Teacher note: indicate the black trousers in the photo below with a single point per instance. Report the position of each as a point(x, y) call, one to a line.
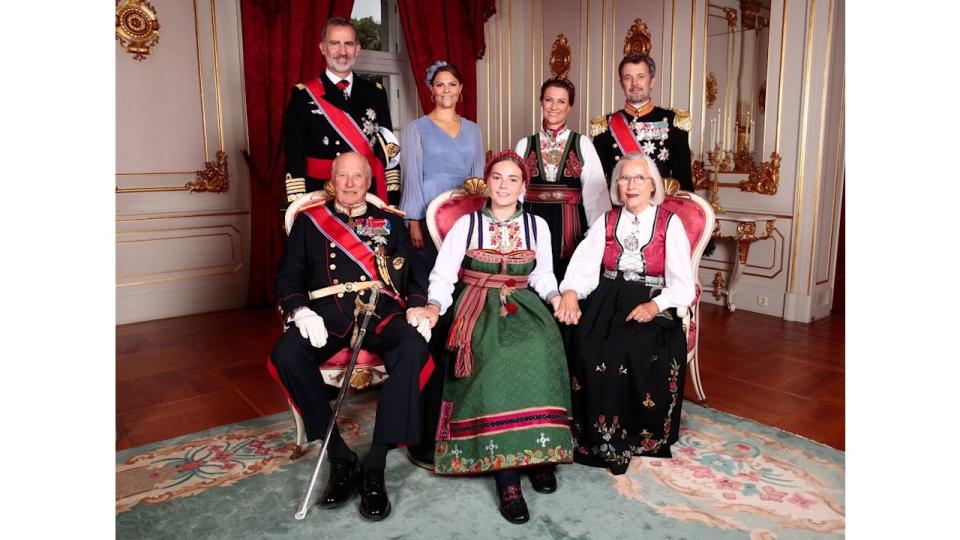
point(404, 353)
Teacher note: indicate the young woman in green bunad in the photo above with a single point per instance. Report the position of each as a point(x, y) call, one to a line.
point(506, 395)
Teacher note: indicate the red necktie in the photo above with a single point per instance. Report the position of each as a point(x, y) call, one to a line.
point(342, 85)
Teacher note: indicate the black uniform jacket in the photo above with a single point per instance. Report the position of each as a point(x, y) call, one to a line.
point(677, 163)
point(308, 133)
point(311, 261)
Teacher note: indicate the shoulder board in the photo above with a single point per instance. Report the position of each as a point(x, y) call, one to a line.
point(300, 86)
point(598, 125)
point(312, 204)
point(380, 86)
point(682, 119)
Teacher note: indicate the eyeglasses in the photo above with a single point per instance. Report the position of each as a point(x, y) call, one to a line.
point(626, 180)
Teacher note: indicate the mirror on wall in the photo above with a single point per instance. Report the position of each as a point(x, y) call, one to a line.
point(737, 37)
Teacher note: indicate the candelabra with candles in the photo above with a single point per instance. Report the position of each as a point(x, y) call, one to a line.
point(722, 161)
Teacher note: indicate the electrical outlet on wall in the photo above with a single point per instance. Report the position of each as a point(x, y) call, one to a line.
point(762, 300)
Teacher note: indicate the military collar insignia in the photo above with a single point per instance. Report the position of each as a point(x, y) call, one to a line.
point(350, 211)
point(642, 110)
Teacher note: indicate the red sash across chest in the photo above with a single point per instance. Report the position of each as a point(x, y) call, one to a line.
point(348, 129)
point(621, 133)
point(654, 253)
point(347, 240)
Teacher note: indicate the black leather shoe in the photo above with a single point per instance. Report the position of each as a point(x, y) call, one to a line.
point(421, 456)
point(374, 503)
point(343, 476)
point(512, 506)
point(543, 480)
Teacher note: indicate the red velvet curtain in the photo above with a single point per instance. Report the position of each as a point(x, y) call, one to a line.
point(450, 30)
point(280, 49)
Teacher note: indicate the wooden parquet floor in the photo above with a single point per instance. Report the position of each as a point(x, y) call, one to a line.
point(185, 374)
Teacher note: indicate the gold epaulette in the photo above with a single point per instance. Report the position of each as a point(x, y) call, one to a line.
point(682, 120)
point(394, 210)
point(315, 203)
point(300, 86)
point(598, 125)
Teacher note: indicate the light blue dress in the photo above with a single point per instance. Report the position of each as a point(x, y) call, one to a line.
point(432, 162)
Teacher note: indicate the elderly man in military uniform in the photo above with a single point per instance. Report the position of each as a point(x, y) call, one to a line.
point(339, 112)
point(337, 251)
point(640, 126)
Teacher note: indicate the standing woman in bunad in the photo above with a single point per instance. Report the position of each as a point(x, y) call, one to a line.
point(506, 395)
point(567, 187)
point(633, 270)
point(440, 150)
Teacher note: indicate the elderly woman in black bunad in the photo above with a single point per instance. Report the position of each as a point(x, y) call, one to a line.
point(631, 272)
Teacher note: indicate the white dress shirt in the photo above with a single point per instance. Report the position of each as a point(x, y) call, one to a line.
point(454, 248)
point(336, 78)
point(583, 273)
point(595, 196)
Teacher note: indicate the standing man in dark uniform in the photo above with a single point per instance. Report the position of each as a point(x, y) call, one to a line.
point(336, 251)
point(339, 112)
point(662, 134)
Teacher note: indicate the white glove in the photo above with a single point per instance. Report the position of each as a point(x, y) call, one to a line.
point(424, 328)
point(311, 326)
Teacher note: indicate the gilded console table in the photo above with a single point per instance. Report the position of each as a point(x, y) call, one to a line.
point(743, 229)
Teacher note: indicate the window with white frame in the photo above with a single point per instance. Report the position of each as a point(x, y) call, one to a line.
point(383, 57)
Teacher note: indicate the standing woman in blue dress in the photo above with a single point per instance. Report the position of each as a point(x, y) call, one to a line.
point(440, 150)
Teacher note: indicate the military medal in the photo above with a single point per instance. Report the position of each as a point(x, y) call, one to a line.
point(326, 141)
point(377, 228)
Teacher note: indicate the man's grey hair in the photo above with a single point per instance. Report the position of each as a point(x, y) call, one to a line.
point(367, 172)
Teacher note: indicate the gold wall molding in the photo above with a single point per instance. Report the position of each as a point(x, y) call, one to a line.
point(638, 39)
point(701, 176)
point(560, 57)
point(215, 178)
point(762, 98)
point(137, 27)
point(711, 89)
point(731, 15)
point(764, 179)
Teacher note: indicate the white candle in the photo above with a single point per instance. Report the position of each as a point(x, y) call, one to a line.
point(753, 125)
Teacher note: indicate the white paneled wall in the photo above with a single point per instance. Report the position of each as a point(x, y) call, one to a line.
point(180, 252)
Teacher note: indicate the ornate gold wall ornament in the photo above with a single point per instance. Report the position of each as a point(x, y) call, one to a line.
point(749, 11)
point(560, 57)
point(743, 160)
point(638, 39)
point(138, 29)
point(701, 176)
point(762, 22)
point(719, 286)
point(765, 179)
point(711, 89)
point(762, 98)
point(731, 15)
point(215, 178)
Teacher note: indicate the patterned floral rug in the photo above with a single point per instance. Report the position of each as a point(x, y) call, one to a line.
point(729, 478)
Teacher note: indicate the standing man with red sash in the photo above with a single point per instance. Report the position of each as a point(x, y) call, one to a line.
point(339, 112)
point(641, 127)
point(336, 252)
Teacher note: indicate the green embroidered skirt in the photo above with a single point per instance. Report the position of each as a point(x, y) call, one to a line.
point(514, 410)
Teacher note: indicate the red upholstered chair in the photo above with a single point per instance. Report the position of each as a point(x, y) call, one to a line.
point(369, 369)
point(449, 206)
point(698, 219)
